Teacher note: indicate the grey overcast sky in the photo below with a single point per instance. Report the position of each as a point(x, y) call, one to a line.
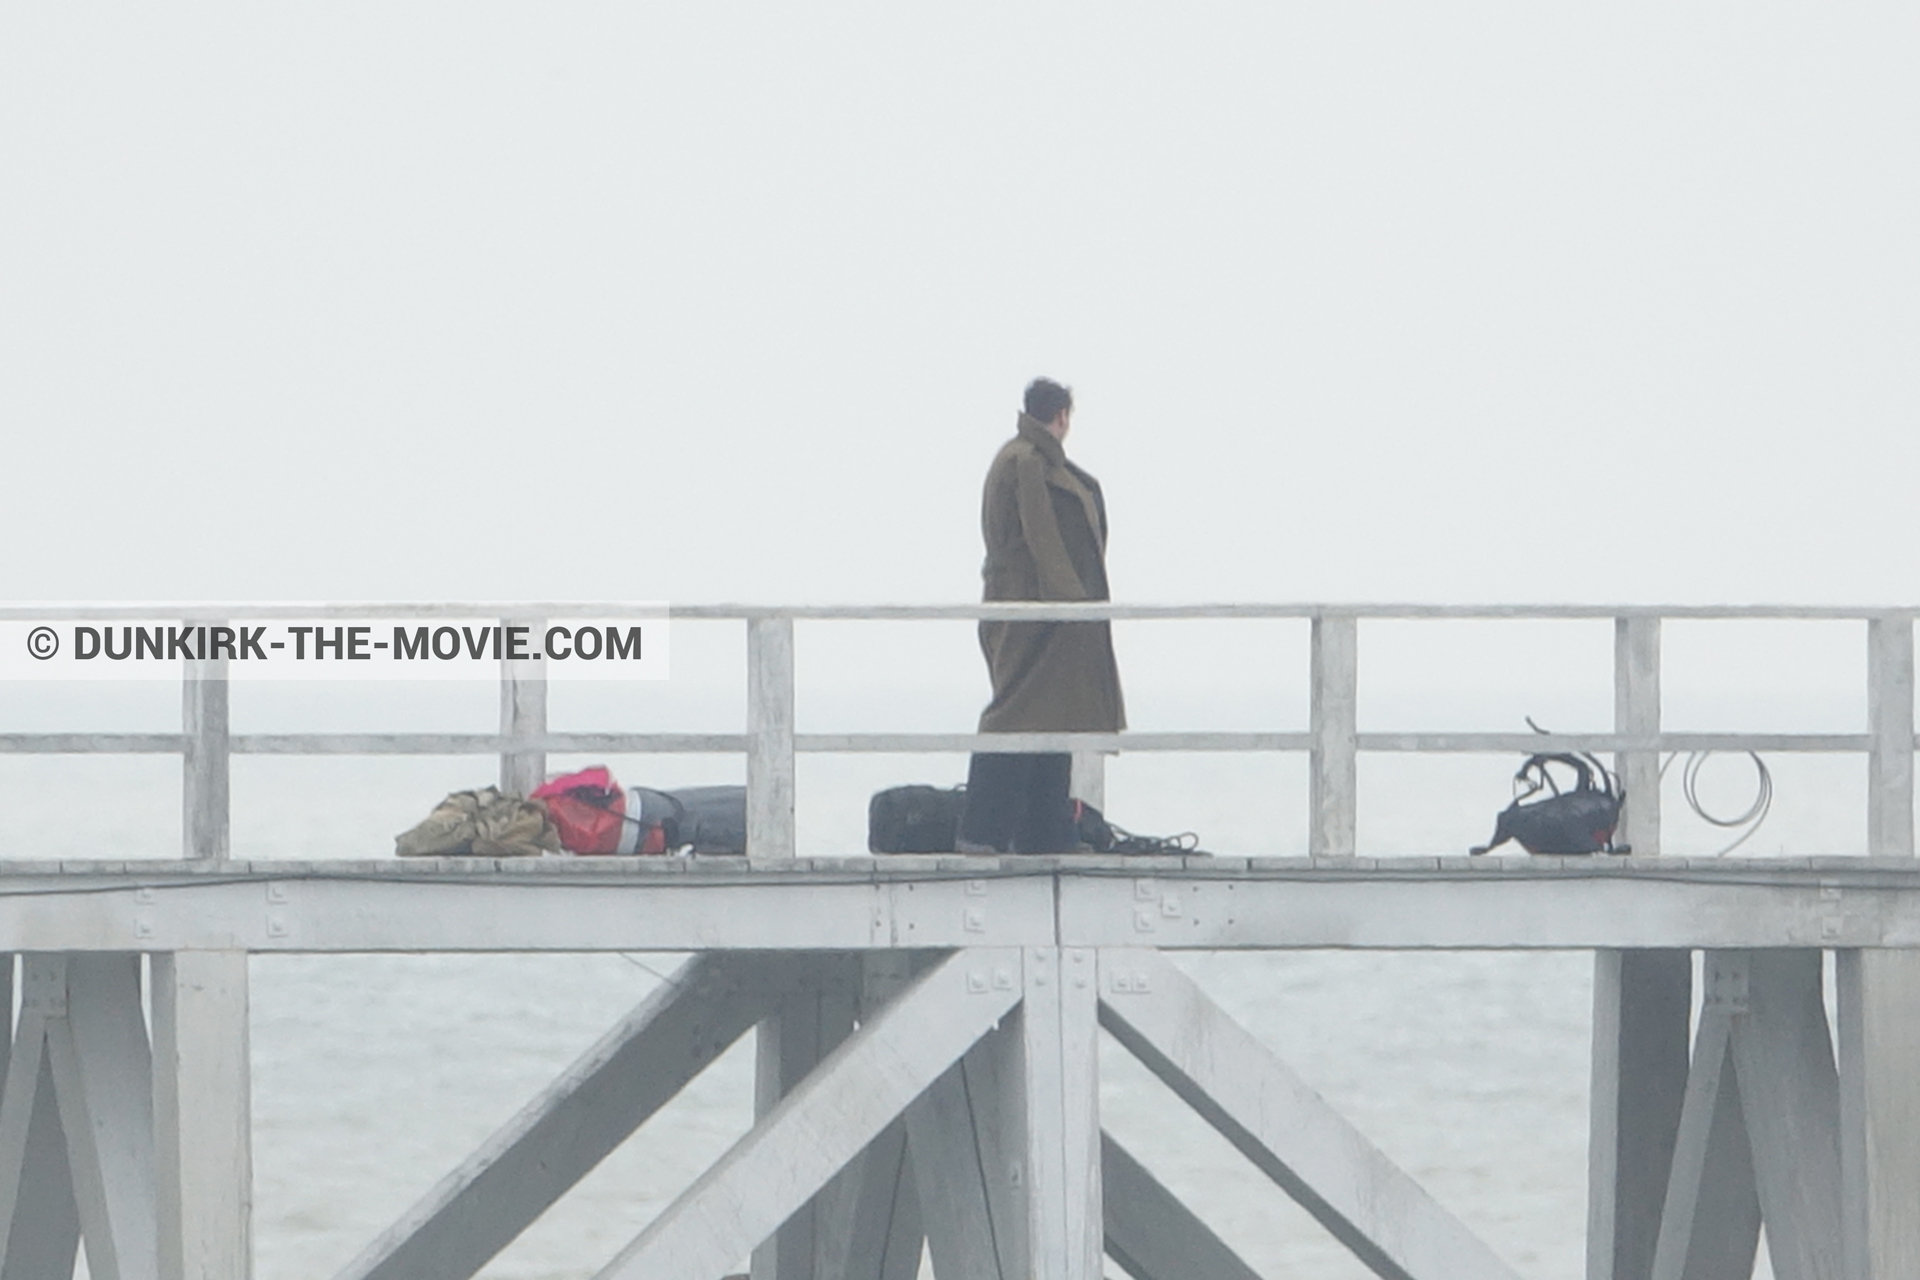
point(718, 301)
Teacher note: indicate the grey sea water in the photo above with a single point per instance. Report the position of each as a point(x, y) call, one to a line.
point(375, 1075)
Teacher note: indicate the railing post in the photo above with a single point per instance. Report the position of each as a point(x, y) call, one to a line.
point(202, 1114)
point(1890, 727)
point(1090, 778)
point(523, 714)
point(1878, 1029)
point(1642, 1005)
point(205, 790)
point(1636, 710)
point(770, 738)
point(1335, 733)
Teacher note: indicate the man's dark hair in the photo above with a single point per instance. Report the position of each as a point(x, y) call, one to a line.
point(1046, 398)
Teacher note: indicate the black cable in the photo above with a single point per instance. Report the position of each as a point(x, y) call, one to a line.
point(1129, 845)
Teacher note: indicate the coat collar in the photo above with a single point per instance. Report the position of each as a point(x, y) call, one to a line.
point(1035, 433)
point(1064, 474)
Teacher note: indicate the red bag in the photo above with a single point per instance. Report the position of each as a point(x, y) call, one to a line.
point(588, 809)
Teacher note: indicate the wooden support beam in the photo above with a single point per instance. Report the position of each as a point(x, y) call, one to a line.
point(203, 1125)
point(1286, 1129)
point(1058, 1127)
point(6, 1016)
point(962, 1177)
point(1151, 1233)
point(1642, 1008)
point(45, 1239)
point(1334, 729)
point(1789, 1090)
point(1879, 1000)
point(872, 1231)
point(39, 1221)
point(963, 1170)
point(1006, 1145)
point(598, 904)
point(560, 1136)
point(1710, 1229)
point(1878, 1046)
point(808, 1023)
point(818, 1128)
point(870, 1216)
point(770, 777)
point(103, 1081)
point(1760, 1137)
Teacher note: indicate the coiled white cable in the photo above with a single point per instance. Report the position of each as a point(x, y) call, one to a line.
point(1755, 814)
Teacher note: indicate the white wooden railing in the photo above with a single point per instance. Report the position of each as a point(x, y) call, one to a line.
point(1332, 739)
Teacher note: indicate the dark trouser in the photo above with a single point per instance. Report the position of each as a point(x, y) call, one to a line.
point(1018, 803)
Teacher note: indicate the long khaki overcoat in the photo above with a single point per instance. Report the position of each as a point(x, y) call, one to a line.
point(1046, 529)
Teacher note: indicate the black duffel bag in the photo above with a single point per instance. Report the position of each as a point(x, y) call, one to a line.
point(914, 819)
point(695, 819)
point(922, 819)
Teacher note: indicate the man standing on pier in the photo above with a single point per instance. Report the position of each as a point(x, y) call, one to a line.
point(1045, 523)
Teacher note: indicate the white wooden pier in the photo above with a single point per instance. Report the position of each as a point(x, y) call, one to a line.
point(927, 1026)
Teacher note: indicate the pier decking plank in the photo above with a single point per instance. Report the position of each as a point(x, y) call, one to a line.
point(868, 903)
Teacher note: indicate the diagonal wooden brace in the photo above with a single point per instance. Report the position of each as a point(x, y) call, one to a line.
point(560, 1136)
point(1760, 1130)
point(808, 1023)
point(1710, 1227)
point(1790, 1094)
point(39, 1221)
point(1642, 1012)
point(963, 1170)
point(1277, 1121)
point(869, 1220)
point(1006, 1143)
point(103, 1079)
point(1151, 1233)
point(872, 1232)
point(827, 1120)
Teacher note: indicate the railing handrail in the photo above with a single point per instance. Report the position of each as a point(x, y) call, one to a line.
point(997, 610)
point(1332, 738)
point(884, 742)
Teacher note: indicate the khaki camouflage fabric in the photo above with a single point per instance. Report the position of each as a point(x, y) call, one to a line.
point(481, 824)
